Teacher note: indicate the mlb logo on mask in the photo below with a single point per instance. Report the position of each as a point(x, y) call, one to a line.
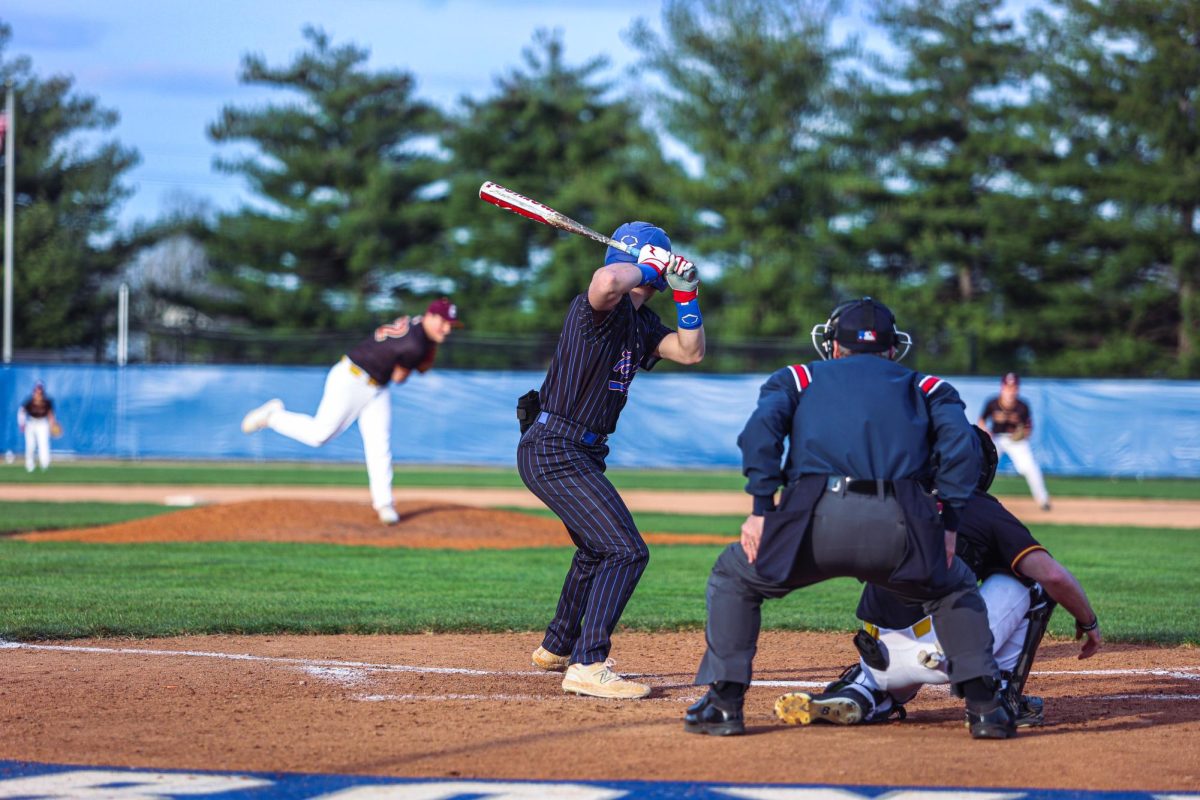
point(866, 336)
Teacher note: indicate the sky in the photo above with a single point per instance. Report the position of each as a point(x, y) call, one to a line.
point(168, 67)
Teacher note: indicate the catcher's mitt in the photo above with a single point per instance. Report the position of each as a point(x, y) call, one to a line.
point(56, 430)
point(1019, 433)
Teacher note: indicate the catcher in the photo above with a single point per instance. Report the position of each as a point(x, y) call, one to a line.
point(898, 646)
point(35, 419)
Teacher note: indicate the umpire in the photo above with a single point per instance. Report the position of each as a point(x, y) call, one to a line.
point(863, 433)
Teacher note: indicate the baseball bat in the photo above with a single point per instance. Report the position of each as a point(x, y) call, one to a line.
point(509, 200)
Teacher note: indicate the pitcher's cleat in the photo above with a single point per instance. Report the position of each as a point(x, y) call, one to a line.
point(801, 708)
point(597, 680)
point(257, 419)
point(388, 515)
point(544, 659)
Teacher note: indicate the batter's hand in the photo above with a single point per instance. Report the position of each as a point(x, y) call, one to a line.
point(657, 259)
point(683, 279)
point(951, 544)
point(1093, 641)
point(752, 531)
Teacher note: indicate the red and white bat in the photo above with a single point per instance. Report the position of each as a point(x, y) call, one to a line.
point(509, 200)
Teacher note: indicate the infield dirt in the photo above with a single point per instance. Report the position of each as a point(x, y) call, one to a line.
point(471, 706)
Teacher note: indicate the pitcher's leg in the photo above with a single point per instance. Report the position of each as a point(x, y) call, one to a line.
point(375, 426)
point(342, 400)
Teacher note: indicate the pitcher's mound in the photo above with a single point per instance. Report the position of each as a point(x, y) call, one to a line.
point(422, 524)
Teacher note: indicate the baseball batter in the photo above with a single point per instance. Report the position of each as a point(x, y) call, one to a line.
point(356, 388)
point(36, 420)
point(1011, 423)
point(608, 335)
point(899, 647)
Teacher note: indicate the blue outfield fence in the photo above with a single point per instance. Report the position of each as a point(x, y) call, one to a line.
point(1128, 428)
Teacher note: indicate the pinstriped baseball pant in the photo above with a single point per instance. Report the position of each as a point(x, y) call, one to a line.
point(610, 555)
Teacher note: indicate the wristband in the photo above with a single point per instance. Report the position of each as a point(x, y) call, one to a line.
point(649, 274)
point(689, 314)
point(1088, 628)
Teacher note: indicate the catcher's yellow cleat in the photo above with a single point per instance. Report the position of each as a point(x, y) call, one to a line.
point(801, 708)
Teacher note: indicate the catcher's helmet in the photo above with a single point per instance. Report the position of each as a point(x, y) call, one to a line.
point(866, 326)
point(991, 459)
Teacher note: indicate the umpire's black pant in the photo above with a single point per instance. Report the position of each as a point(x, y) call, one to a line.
point(850, 535)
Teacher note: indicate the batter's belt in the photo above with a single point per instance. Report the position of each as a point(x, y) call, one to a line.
point(570, 429)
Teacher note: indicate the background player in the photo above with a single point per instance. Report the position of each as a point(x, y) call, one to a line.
point(1011, 424)
point(35, 419)
point(862, 434)
point(898, 644)
point(608, 334)
point(356, 388)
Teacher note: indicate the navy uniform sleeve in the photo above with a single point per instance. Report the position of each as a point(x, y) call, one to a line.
point(761, 441)
point(955, 445)
point(656, 331)
point(582, 317)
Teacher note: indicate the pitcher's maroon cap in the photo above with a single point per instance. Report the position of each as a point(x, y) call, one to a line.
point(446, 310)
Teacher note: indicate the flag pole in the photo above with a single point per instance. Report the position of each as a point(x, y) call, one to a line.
point(9, 190)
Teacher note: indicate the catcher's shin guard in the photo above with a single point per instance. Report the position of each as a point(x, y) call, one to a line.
point(1040, 609)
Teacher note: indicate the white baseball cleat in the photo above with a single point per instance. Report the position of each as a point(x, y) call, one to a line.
point(257, 419)
point(598, 680)
point(388, 515)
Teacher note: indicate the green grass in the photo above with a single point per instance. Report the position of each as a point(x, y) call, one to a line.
point(276, 474)
point(19, 516)
point(1143, 583)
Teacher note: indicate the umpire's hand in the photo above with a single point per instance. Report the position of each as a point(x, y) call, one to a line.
point(752, 530)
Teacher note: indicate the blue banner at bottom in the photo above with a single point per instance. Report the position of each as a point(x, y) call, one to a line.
point(23, 780)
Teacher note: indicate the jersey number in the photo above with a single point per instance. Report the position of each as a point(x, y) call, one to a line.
point(393, 330)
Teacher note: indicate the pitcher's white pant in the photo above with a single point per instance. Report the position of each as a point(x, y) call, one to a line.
point(1007, 602)
point(1022, 457)
point(37, 435)
point(349, 395)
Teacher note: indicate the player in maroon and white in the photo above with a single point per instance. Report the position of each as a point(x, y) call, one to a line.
point(1008, 419)
point(356, 388)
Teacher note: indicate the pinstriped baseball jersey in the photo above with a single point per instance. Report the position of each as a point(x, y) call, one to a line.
point(596, 360)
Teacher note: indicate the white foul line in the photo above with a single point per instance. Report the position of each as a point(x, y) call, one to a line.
point(348, 672)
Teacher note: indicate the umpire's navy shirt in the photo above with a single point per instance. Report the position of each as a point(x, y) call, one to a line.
point(596, 360)
point(862, 417)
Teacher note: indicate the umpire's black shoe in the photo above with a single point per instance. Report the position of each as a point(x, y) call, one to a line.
point(714, 716)
point(994, 721)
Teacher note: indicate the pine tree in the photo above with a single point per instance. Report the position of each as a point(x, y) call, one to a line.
point(561, 134)
point(342, 170)
point(945, 228)
point(64, 203)
point(748, 91)
point(1122, 95)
